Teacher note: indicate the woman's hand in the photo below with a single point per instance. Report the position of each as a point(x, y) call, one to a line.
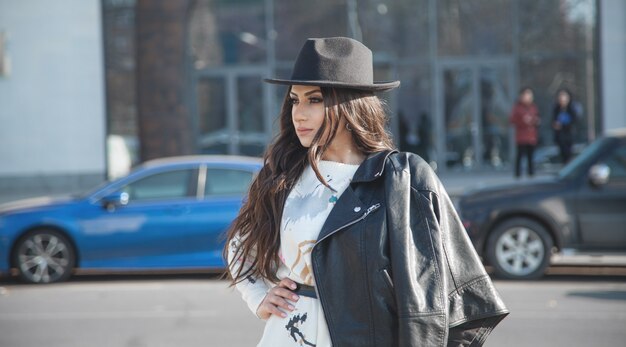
point(277, 297)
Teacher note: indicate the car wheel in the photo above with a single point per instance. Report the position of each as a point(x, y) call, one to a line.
point(44, 256)
point(519, 248)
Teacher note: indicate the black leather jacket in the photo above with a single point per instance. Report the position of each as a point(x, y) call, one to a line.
point(394, 266)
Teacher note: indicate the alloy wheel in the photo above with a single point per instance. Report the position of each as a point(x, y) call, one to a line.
point(520, 251)
point(44, 257)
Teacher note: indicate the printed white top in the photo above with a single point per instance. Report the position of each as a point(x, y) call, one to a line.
point(308, 205)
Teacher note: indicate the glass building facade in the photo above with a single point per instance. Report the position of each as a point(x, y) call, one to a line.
point(461, 64)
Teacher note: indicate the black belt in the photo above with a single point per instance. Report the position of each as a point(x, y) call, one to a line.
point(303, 289)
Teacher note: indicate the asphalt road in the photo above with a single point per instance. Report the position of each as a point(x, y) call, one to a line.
point(199, 310)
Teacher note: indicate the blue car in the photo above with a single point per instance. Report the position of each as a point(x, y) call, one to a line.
point(167, 214)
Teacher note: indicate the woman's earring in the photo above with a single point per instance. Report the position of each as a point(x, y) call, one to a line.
point(348, 127)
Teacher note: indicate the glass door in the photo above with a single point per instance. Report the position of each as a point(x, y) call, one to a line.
point(231, 111)
point(250, 111)
point(496, 100)
point(476, 101)
point(459, 98)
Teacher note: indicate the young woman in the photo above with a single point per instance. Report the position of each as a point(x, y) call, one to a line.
point(344, 241)
point(564, 117)
point(525, 119)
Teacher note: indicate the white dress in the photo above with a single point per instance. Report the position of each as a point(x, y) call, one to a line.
point(306, 209)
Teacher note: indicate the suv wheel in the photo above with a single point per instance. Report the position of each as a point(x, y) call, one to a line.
point(519, 248)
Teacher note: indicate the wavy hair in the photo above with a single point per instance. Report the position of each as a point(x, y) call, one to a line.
point(257, 226)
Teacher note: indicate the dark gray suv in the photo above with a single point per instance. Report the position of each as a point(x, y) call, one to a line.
point(582, 210)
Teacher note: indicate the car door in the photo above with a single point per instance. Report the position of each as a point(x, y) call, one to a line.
point(222, 193)
point(149, 231)
point(601, 210)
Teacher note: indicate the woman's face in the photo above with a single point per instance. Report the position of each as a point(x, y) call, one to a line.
point(527, 96)
point(563, 99)
point(307, 112)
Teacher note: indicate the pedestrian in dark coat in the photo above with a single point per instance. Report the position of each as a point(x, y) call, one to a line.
point(564, 117)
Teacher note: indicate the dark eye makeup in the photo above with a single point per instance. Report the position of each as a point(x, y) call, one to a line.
point(314, 99)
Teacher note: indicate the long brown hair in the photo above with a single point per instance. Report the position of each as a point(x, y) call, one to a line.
point(257, 227)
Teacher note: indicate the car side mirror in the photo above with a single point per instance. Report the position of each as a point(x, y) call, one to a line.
point(111, 201)
point(599, 174)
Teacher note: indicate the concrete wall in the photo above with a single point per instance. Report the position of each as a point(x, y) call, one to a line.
point(613, 62)
point(52, 111)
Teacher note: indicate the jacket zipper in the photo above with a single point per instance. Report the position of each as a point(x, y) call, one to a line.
point(388, 278)
point(365, 214)
point(369, 210)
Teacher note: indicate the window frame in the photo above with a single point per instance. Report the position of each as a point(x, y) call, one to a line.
point(206, 169)
point(191, 186)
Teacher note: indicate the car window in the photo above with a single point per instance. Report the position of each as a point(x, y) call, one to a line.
point(164, 185)
point(617, 162)
point(579, 165)
point(227, 182)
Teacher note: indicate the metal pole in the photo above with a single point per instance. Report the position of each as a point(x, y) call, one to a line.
point(269, 94)
point(354, 29)
point(437, 101)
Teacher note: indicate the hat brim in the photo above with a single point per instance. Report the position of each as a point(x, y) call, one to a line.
point(375, 87)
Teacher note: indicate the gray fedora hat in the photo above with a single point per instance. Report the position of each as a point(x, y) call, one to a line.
point(338, 62)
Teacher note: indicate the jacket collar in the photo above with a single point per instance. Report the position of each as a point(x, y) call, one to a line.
point(351, 204)
point(372, 167)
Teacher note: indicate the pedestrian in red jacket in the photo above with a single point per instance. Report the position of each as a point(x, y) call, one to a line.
point(525, 118)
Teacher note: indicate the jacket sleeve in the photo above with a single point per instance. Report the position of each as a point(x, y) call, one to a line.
point(252, 289)
point(474, 305)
